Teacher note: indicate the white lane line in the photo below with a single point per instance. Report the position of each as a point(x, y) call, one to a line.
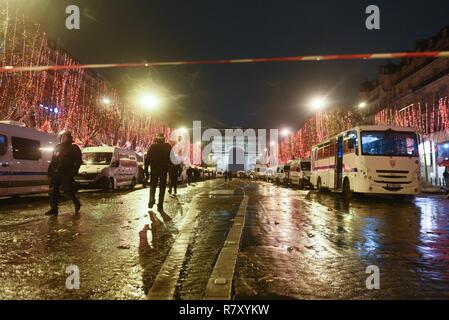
point(219, 286)
point(164, 285)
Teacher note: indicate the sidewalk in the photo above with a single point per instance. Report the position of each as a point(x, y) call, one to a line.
point(438, 192)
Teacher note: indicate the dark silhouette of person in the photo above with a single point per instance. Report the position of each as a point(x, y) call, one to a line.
point(158, 158)
point(63, 168)
point(174, 172)
point(189, 175)
point(446, 177)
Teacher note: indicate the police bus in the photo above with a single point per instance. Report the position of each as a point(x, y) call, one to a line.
point(368, 159)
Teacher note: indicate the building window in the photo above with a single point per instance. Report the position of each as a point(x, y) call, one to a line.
point(26, 149)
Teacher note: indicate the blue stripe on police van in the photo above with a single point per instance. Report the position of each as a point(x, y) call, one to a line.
point(22, 173)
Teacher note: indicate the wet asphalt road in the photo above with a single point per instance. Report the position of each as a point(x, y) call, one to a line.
point(295, 244)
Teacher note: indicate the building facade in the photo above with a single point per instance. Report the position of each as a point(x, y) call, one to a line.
point(421, 84)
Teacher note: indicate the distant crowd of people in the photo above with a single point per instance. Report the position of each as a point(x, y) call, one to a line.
point(228, 175)
point(195, 174)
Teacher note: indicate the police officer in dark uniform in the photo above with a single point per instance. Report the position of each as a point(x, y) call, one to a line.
point(158, 158)
point(63, 167)
point(174, 172)
point(189, 175)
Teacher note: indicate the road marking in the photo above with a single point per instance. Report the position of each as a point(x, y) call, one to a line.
point(222, 192)
point(165, 284)
point(219, 286)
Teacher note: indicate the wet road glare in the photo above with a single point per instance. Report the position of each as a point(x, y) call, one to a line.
point(295, 244)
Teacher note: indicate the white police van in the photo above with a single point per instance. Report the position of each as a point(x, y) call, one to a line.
point(107, 168)
point(25, 155)
point(300, 172)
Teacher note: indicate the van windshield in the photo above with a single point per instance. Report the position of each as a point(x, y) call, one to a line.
point(98, 158)
point(305, 166)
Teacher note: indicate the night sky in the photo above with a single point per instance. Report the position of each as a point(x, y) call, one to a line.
point(249, 95)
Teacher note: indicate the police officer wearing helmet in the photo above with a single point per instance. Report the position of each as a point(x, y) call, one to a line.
point(158, 158)
point(64, 165)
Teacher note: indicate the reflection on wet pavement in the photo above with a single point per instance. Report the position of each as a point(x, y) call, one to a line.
point(295, 244)
point(117, 244)
point(310, 246)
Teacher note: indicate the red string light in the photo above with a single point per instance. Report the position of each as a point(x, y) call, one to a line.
point(71, 99)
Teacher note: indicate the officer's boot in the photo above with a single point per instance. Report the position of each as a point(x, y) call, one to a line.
point(54, 199)
point(77, 204)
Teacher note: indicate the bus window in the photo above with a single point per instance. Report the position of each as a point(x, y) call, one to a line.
point(332, 149)
point(347, 147)
point(350, 145)
point(389, 143)
point(326, 151)
point(320, 153)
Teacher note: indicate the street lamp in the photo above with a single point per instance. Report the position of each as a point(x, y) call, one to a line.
point(106, 101)
point(149, 101)
point(362, 105)
point(318, 103)
point(285, 132)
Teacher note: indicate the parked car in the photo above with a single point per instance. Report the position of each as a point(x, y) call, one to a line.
point(25, 155)
point(260, 172)
point(241, 174)
point(286, 175)
point(107, 168)
point(283, 174)
point(271, 174)
point(300, 172)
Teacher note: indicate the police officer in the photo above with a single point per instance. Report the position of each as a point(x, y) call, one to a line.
point(174, 172)
point(446, 177)
point(64, 165)
point(158, 158)
point(190, 175)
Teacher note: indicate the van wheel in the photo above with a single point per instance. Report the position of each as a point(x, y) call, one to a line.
point(133, 184)
point(319, 186)
point(109, 185)
point(347, 193)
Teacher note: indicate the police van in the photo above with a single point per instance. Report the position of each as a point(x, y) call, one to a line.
point(25, 155)
point(300, 172)
point(107, 168)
